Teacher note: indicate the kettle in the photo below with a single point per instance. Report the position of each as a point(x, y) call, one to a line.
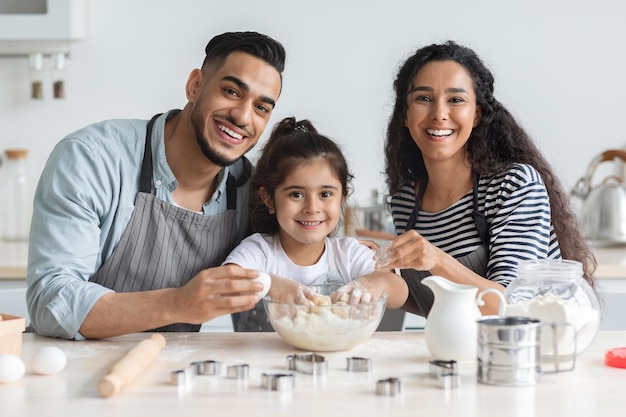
point(603, 210)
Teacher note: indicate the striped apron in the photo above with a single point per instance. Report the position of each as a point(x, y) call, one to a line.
point(164, 246)
point(421, 298)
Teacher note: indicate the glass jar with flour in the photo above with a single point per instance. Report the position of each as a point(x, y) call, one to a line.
point(554, 291)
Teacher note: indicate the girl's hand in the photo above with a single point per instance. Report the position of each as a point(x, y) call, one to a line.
point(360, 290)
point(285, 290)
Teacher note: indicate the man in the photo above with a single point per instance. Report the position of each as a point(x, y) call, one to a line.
point(132, 219)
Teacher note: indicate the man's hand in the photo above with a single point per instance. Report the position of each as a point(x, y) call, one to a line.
point(214, 292)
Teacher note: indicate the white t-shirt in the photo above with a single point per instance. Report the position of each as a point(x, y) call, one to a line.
point(343, 260)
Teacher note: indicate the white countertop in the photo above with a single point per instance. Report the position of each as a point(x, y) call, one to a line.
point(14, 255)
point(611, 262)
point(592, 389)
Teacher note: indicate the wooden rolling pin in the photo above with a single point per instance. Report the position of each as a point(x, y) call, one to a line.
point(132, 364)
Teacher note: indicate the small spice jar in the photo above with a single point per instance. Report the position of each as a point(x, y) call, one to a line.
point(58, 75)
point(36, 76)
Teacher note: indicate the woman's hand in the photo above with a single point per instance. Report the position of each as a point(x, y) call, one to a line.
point(412, 250)
point(409, 250)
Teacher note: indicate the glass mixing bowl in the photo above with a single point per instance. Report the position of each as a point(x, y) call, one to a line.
point(325, 328)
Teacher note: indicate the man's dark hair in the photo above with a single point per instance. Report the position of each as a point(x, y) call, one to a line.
point(253, 43)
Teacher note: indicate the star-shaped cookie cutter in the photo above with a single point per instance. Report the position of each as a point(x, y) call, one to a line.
point(309, 363)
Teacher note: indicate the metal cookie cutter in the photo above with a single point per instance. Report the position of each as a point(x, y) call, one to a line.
point(208, 367)
point(446, 373)
point(180, 376)
point(237, 371)
point(356, 364)
point(310, 363)
point(390, 386)
point(278, 382)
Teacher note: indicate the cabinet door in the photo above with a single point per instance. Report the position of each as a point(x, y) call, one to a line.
point(13, 299)
point(60, 20)
point(612, 296)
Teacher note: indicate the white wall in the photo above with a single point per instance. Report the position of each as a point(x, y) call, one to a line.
point(559, 66)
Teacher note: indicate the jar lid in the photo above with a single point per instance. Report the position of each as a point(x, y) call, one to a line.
point(16, 153)
point(36, 61)
point(58, 61)
point(616, 357)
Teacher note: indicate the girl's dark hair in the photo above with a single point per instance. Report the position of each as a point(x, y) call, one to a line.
point(291, 144)
point(493, 146)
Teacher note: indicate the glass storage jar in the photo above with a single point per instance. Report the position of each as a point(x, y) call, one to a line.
point(17, 202)
point(554, 291)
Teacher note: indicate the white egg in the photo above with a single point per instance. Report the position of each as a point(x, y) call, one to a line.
point(264, 279)
point(48, 360)
point(11, 368)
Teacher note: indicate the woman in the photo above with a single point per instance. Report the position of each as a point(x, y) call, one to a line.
point(471, 195)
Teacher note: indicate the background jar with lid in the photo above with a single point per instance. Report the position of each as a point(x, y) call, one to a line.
point(36, 76)
point(17, 199)
point(58, 75)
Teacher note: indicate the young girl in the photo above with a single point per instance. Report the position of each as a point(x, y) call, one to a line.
point(296, 200)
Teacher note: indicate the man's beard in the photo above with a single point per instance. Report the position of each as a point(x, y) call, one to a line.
point(210, 154)
point(197, 122)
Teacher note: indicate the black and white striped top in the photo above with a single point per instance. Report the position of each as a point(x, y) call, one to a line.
point(517, 209)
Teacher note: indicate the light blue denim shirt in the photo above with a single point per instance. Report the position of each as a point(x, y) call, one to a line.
point(82, 205)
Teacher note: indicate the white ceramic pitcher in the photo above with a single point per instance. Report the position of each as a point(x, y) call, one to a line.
point(450, 330)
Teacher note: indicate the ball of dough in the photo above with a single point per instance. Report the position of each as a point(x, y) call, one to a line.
point(264, 279)
point(48, 360)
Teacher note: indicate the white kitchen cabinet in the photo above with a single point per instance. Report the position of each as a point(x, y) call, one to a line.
point(611, 286)
point(612, 295)
point(13, 298)
point(42, 20)
point(13, 278)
